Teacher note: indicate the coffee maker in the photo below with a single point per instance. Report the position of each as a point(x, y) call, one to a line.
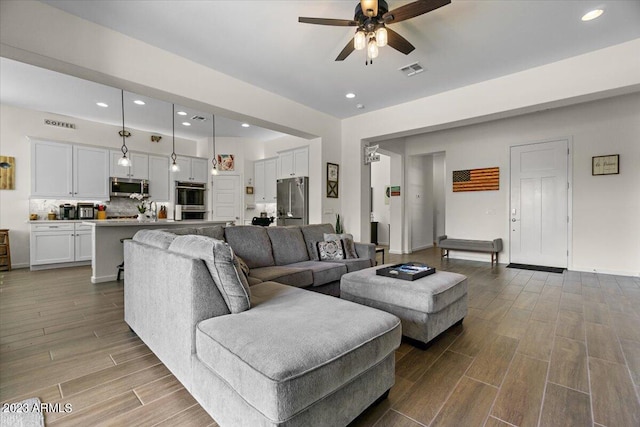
point(67, 211)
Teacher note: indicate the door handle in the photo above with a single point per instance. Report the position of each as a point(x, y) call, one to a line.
point(513, 220)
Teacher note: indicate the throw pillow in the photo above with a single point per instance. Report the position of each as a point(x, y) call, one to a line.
point(312, 250)
point(330, 250)
point(347, 240)
point(243, 265)
point(224, 269)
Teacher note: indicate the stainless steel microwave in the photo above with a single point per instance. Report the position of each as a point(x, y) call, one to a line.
point(125, 187)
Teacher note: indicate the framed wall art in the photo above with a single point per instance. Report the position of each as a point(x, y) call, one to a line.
point(332, 180)
point(605, 165)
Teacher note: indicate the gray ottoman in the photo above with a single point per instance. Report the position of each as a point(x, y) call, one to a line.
point(427, 306)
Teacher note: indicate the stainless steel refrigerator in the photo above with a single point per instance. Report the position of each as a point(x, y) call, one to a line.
point(293, 201)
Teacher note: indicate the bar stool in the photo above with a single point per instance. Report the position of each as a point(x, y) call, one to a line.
point(121, 265)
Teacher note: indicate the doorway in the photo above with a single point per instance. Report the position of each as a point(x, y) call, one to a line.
point(539, 211)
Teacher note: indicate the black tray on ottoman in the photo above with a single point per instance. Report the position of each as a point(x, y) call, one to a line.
point(406, 271)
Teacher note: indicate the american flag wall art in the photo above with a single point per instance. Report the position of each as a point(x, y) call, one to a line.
point(476, 179)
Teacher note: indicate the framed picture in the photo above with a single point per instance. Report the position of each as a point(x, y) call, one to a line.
point(225, 162)
point(249, 190)
point(332, 180)
point(605, 165)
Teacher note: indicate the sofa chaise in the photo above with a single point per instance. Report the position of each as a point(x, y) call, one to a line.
point(269, 354)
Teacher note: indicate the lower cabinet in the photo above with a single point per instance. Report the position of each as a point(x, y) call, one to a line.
point(60, 243)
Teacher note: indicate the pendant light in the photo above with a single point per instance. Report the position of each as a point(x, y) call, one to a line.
point(214, 162)
point(174, 166)
point(123, 161)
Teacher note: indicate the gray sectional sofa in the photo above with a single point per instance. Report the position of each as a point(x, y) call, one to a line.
point(269, 354)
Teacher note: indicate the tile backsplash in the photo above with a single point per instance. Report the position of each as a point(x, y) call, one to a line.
point(117, 206)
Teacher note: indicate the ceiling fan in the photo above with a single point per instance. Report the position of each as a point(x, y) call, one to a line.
point(371, 18)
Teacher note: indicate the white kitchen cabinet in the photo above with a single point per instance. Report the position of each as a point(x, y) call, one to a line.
point(258, 188)
point(270, 180)
point(294, 163)
point(51, 169)
point(191, 169)
point(90, 172)
point(139, 168)
point(159, 187)
point(265, 176)
point(69, 171)
point(60, 242)
point(83, 242)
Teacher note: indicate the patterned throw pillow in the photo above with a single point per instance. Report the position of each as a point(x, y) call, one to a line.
point(242, 265)
point(330, 250)
point(347, 241)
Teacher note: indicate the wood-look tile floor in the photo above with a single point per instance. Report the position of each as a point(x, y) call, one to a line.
point(536, 349)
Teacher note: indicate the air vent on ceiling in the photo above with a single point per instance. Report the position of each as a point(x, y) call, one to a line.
point(412, 69)
point(198, 118)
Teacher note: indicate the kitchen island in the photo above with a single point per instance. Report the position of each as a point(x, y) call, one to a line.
point(107, 250)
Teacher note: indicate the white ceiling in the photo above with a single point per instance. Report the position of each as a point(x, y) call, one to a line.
point(467, 41)
point(262, 43)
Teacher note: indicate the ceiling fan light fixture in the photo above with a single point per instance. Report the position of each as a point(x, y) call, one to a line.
point(360, 40)
point(372, 49)
point(381, 37)
point(369, 7)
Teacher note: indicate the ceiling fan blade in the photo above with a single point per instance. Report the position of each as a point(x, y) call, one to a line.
point(346, 51)
point(412, 10)
point(398, 42)
point(326, 21)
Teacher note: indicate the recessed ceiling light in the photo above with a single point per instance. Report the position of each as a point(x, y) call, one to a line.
point(139, 102)
point(186, 124)
point(245, 125)
point(350, 95)
point(102, 104)
point(360, 106)
point(593, 14)
point(181, 113)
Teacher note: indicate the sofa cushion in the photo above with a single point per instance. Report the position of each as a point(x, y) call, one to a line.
point(281, 365)
point(216, 232)
point(283, 274)
point(252, 243)
point(355, 264)
point(287, 244)
point(314, 233)
point(219, 259)
point(253, 280)
point(157, 238)
point(328, 251)
point(347, 243)
point(182, 231)
point(323, 272)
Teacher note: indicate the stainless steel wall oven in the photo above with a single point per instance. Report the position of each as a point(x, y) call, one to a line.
point(192, 196)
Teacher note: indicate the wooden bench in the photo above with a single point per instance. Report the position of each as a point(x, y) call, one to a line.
point(492, 246)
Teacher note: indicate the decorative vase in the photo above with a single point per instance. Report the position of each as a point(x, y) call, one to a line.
point(141, 217)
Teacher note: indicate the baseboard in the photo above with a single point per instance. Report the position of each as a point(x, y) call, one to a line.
point(59, 265)
point(102, 279)
point(611, 272)
point(419, 248)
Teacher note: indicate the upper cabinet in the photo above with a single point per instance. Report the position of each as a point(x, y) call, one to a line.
point(69, 171)
point(265, 190)
point(191, 169)
point(139, 168)
point(294, 163)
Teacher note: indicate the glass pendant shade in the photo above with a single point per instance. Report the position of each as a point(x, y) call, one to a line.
point(124, 161)
point(214, 171)
point(175, 167)
point(381, 37)
point(372, 49)
point(360, 40)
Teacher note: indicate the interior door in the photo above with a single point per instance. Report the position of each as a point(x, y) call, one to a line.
point(227, 198)
point(539, 204)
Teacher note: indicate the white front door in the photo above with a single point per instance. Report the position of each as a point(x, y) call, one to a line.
point(226, 195)
point(539, 204)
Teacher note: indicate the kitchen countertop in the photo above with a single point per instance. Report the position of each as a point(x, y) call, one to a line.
point(126, 222)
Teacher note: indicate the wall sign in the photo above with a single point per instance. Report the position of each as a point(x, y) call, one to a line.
point(59, 124)
point(605, 165)
point(332, 180)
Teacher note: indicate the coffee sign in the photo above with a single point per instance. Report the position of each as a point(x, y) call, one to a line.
point(59, 124)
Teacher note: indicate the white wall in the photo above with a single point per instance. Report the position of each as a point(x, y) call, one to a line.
point(16, 124)
point(380, 179)
point(606, 230)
